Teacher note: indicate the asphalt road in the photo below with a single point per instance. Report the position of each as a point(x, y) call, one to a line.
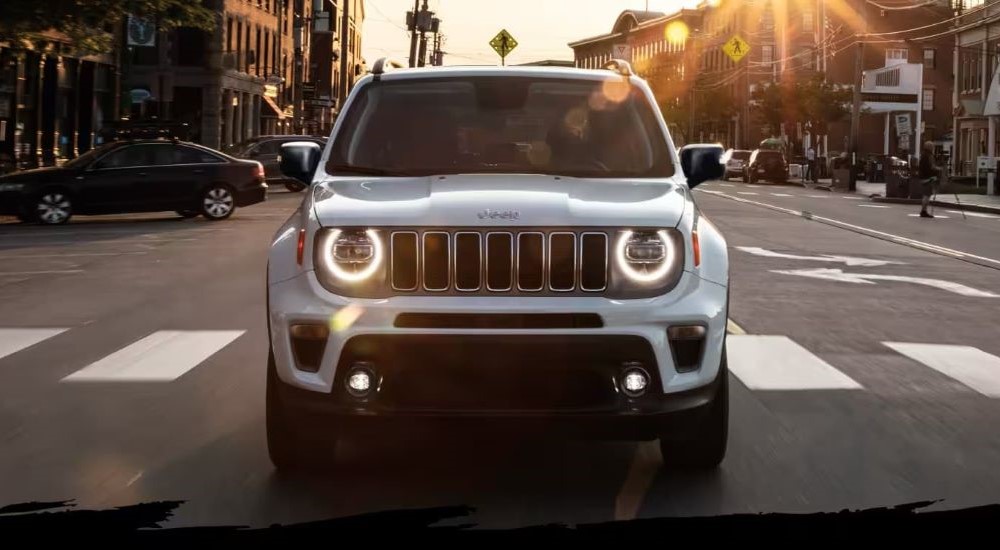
point(845, 422)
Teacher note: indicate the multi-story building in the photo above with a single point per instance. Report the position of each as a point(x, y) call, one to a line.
point(241, 80)
point(661, 49)
point(976, 97)
point(788, 42)
point(330, 55)
point(889, 42)
point(53, 103)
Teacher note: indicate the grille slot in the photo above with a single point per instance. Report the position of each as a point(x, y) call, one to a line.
point(593, 262)
point(499, 261)
point(468, 261)
point(530, 262)
point(437, 250)
point(404, 261)
point(562, 261)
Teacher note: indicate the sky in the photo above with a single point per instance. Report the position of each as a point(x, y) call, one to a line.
point(542, 28)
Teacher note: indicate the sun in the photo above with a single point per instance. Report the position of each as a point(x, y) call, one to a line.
point(677, 32)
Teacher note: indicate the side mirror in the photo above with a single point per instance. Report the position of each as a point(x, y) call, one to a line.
point(254, 153)
point(702, 162)
point(299, 160)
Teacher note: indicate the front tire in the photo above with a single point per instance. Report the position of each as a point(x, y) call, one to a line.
point(706, 449)
point(218, 202)
point(53, 208)
point(288, 446)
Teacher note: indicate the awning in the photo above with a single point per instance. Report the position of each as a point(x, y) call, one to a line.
point(275, 110)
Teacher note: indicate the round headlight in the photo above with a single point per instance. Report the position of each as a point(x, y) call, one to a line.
point(645, 256)
point(353, 255)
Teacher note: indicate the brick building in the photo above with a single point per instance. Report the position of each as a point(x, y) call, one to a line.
point(787, 42)
point(330, 58)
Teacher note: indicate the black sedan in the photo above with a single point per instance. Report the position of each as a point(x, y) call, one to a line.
point(135, 176)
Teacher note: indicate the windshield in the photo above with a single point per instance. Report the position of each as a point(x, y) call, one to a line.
point(741, 155)
point(583, 128)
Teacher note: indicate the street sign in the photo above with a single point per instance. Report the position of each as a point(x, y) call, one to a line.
point(622, 51)
point(903, 125)
point(503, 43)
point(986, 163)
point(736, 48)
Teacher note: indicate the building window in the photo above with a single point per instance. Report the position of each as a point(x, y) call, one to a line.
point(928, 100)
point(767, 54)
point(930, 56)
point(895, 55)
point(807, 20)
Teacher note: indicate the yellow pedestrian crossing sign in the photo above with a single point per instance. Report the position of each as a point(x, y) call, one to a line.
point(503, 43)
point(736, 48)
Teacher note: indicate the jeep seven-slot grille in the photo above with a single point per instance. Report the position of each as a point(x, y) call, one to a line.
point(462, 261)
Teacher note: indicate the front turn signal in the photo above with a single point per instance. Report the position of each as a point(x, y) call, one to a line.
point(696, 247)
point(301, 249)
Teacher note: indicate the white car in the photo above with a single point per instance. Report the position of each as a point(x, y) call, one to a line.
point(499, 247)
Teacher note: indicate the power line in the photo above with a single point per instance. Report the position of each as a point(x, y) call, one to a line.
point(937, 24)
point(902, 7)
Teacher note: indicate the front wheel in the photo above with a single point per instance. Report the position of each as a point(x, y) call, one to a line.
point(706, 449)
point(218, 203)
point(53, 208)
point(288, 444)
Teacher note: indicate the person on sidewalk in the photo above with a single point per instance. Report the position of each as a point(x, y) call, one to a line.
point(810, 165)
point(927, 172)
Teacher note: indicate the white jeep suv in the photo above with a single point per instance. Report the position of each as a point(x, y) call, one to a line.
point(491, 246)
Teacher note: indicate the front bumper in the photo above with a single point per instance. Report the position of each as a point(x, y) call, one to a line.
point(637, 329)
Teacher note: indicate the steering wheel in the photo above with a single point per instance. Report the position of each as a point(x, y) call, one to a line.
point(598, 164)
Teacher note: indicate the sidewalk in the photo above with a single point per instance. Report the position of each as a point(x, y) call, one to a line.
point(876, 191)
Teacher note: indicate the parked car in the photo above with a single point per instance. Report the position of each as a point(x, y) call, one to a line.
point(566, 283)
point(737, 162)
point(267, 150)
point(766, 165)
point(146, 175)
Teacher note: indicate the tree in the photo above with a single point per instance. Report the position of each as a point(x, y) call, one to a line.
point(90, 25)
point(810, 100)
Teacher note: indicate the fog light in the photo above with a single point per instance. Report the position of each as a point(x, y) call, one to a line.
point(635, 380)
point(360, 380)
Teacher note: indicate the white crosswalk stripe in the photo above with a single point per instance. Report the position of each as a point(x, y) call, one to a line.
point(160, 357)
point(13, 340)
point(971, 366)
point(764, 362)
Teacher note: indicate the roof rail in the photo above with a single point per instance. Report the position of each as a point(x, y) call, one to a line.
point(384, 65)
point(620, 66)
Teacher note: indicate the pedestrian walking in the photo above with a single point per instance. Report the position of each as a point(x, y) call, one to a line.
point(811, 164)
point(928, 174)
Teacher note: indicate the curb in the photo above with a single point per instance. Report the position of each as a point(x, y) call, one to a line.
point(942, 204)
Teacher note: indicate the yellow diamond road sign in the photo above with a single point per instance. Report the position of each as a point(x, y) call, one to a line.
point(736, 48)
point(503, 43)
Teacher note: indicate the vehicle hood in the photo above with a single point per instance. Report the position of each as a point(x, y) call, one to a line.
point(498, 201)
point(37, 174)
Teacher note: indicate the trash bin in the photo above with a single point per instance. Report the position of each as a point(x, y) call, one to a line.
point(842, 178)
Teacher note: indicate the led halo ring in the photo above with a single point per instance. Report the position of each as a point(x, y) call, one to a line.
point(639, 276)
point(353, 277)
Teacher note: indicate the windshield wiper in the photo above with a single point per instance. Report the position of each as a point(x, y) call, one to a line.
point(362, 170)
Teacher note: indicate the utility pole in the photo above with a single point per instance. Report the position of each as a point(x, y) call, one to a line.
point(345, 41)
point(859, 57)
point(423, 24)
point(411, 19)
